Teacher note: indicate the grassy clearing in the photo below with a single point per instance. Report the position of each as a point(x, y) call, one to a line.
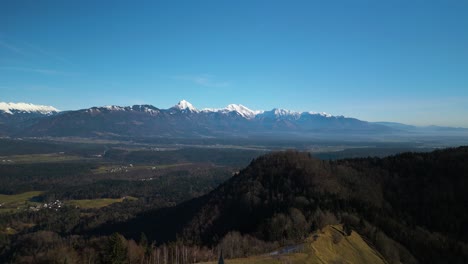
point(327, 246)
point(13, 202)
point(290, 258)
point(108, 169)
point(18, 227)
point(98, 203)
point(38, 158)
point(332, 246)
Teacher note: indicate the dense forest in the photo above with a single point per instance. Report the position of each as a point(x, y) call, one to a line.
point(411, 206)
point(176, 207)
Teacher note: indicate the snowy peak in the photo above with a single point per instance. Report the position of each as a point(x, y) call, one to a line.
point(235, 108)
point(277, 113)
point(12, 108)
point(185, 105)
point(241, 110)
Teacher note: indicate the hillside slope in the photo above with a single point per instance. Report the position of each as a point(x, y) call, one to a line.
point(329, 245)
point(411, 205)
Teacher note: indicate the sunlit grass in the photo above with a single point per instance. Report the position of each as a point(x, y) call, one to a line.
point(98, 203)
point(108, 168)
point(38, 158)
point(329, 246)
point(11, 203)
point(17, 199)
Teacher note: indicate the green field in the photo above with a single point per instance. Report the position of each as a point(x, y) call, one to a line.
point(13, 202)
point(38, 158)
point(17, 199)
point(332, 246)
point(108, 168)
point(97, 203)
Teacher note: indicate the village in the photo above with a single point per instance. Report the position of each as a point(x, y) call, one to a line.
point(57, 204)
point(120, 169)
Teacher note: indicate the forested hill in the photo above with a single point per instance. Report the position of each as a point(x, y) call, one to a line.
point(411, 207)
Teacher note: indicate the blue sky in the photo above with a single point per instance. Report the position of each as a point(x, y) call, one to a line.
point(404, 61)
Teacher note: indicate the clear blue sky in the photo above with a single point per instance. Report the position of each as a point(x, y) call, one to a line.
point(404, 61)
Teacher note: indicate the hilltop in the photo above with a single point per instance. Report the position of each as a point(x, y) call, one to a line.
point(401, 203)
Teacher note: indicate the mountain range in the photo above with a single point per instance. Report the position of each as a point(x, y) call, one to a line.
point(184, 120)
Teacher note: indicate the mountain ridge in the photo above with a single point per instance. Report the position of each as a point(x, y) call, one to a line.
point(181, 105)
point(183, 120)
point(12, 108)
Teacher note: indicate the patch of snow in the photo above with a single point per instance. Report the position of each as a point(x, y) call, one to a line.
point(285, 113)
point(93, 110)
point(249, 114)
point(242, 110)
point(320, 113)
point(146, 108)
point(210, 110)
point(11, 108)
point(237, 108)
point(114, 108)
point(151, 111)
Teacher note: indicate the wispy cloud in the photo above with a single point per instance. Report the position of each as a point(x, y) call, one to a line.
point(47, 53)
point(206, 80)
point(30, 54)
point(31, 88)
point(30, 50)
point(39, 71)
point(11, 47)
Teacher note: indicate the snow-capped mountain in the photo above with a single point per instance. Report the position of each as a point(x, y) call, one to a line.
point(185, 106)
point(18, 116)
point(235, 108)
point(184, 121)
point(13, 108)
point(114, 108)
point(149, 109)
point(278, 113)
point(321, 114)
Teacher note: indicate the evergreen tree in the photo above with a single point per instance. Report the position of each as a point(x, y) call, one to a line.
point(116, 251)
point(144, 244)
point(221, 259)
